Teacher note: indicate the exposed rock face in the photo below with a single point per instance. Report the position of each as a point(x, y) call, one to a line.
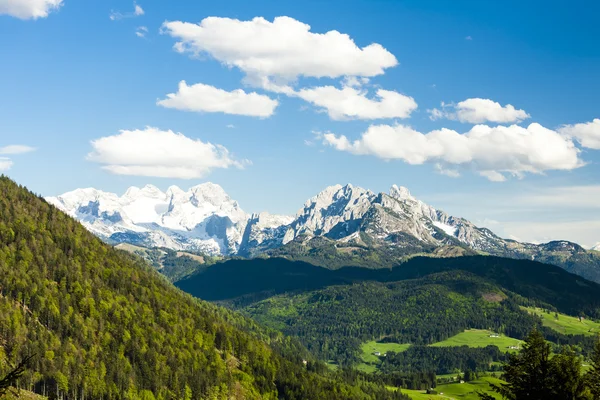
point(205, 219)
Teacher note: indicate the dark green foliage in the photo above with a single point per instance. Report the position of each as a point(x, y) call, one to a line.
point(533, 374)
point(334, 311)
point(177, 267)
point(333, 322)
point(107, 326)
point(593, 376)
point(443, 360)
point(261, 278)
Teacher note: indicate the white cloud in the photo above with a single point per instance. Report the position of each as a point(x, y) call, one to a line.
point(282, 50)
point(230, 126)
point(13, 149)
point(493, 176)
point(206, 98)
point(5, 164)
point(141, 31)
point(352, 103)
point(490, 151)
point(588, 133)
point(442, 170)
point(16, 149)
point(478, 110)
point(117, 15)
point(29, 9)
point(166, 154)
point(137, 9)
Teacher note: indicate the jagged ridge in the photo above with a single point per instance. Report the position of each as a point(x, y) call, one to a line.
point(206, 219)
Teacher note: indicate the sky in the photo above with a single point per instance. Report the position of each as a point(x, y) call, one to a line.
point(487, 110)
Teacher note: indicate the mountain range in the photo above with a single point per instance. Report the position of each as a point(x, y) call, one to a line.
point(346, 220)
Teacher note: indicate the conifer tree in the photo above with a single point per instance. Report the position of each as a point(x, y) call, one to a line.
point(593, 376)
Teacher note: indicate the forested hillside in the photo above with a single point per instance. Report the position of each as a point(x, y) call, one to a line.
point(102, 324)
point(251, 280)
point(420, 302)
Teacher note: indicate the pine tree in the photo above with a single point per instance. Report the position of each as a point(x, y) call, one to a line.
point(568, 382)
point(593, 376)
point(529, 373)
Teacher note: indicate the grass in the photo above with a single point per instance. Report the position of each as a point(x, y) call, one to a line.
point(457, 391)
point(472, 338)
point(371, 362)
point(565, 324)
point(479, 338)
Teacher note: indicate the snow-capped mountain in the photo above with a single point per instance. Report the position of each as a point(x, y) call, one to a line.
point(204, 218)
point(596, 247)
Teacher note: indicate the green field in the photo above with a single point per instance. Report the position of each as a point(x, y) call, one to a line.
point(370, 360)
point(479, 338)
point(471, 337)
point(565, 323)
point(458, 391)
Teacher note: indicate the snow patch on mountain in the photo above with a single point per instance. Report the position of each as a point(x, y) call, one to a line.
point(203, 218)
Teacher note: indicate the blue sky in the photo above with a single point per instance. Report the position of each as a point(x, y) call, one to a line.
point(80, 86)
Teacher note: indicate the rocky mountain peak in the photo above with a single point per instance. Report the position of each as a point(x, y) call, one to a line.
point(401, 193)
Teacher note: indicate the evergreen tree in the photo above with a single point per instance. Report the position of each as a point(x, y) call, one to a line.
point(529, 373)
point(593, 376)
point(567, 380)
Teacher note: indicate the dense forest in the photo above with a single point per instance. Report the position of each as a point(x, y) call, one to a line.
point(422, 301)
point(101, 323)
point(333, 322)
point(444, 360)
point(261, 278)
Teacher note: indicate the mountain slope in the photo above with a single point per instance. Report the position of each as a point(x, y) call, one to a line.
point(386, 227)
point(260, 278)
point(105, 325)
point(422, 301)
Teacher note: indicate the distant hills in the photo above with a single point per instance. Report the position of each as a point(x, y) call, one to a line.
point(352, 226)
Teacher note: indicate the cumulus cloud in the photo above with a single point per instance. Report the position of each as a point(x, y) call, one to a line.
point(206, 98)
point(353, 103)
point(137, 11)
point(273, 55)
point(490, 151)
point(587, 133)
point(157, 153)
point(478, 110)
point(16, 149)
point(29, 9)
point(283, 49)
